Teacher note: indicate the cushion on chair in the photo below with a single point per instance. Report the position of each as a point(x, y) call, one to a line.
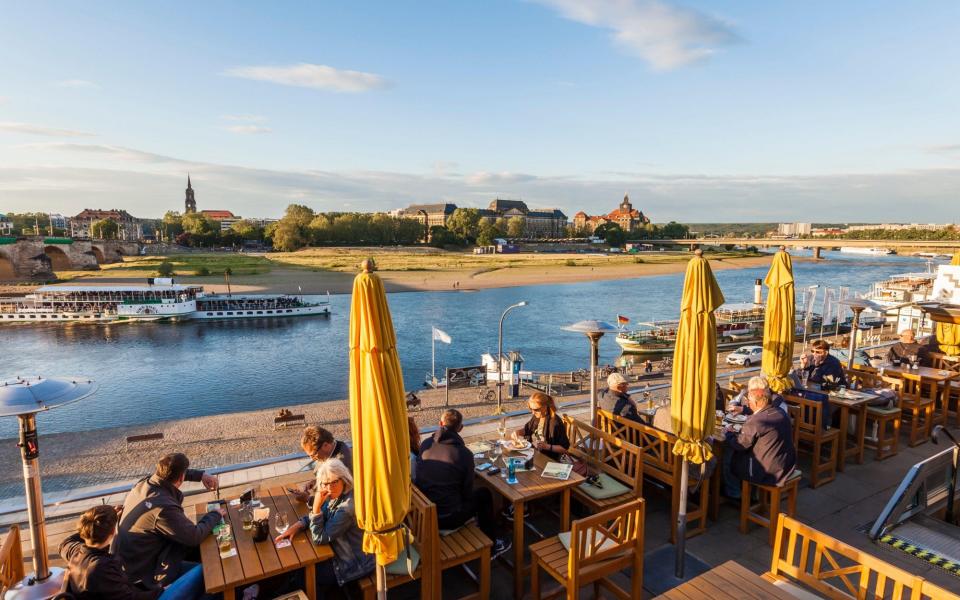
point(876, 410)
point(564, 538)
point(611, 488)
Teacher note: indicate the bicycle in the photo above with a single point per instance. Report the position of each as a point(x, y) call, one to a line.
point(486, 395)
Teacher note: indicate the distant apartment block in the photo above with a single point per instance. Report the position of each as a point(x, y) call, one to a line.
point(900, 226)
point(130, 227)
point(538, 223)
point(625, 216)
point(794, 229)
point(6, 225)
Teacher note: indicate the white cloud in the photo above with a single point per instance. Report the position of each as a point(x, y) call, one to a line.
point(944, 149)
point(664, 35)
point(244, 118)
point(320, 77)
point(503, 177)
point(249, 129)
point(76, 83)
point(27, 128)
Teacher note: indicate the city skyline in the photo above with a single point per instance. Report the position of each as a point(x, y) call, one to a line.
point(820, 112)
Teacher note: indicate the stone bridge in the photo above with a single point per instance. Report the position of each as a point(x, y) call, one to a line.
point(40, 258)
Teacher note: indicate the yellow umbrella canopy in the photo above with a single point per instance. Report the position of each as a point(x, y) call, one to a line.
point(948, 334)
point(779, 321)
point(695, 362)
point(378, 418)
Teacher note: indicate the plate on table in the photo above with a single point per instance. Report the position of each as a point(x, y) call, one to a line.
point(517, 445)
point(735, 418)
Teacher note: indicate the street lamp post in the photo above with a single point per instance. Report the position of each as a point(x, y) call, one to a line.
point(857, 305)
point(594, 330)
point(500, 354)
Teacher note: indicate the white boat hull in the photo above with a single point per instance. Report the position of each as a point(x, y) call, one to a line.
point(298, 311)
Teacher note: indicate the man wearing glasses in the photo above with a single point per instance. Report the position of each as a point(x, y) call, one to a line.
point(320, 445)
point(822, 366)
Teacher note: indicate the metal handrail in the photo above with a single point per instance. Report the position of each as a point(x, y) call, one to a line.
point(302, 455)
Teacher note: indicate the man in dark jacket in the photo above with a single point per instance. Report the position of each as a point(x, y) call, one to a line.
point(320, 445)
point(616, 400)
point(763, 451)
point(155, 534)
point(822, 366)
point(445, 471)
point(907, 347)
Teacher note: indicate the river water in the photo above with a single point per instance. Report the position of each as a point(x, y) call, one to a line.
point(157, 371)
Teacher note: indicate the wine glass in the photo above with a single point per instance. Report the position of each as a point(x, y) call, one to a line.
point(502, 429)
point(913, 361)
point(281, 523)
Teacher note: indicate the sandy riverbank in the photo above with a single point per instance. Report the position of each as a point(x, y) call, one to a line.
point(532, 270)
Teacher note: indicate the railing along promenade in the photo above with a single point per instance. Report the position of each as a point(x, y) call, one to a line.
point(579, 403)
point(814, 243)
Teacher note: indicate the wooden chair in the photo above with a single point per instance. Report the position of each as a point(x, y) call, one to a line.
point(601, 545)
point(605, 453)
point(465, 544)
point(661, 466)
point(838, 571)
point(769, 507)
point(11, 560)
point(951, 393)
point(422, 522)
point(917, 403)
point(887, 420)
point(823, 469)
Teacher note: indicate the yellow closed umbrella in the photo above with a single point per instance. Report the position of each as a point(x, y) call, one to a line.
point(779, 321)
point(948, 334)
point(693, 392)
point(378, 418)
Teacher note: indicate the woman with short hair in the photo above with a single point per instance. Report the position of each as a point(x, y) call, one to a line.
point(333, 520)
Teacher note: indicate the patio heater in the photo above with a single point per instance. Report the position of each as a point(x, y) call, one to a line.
point(857, 305)
point(23, 398)
point(594, 330)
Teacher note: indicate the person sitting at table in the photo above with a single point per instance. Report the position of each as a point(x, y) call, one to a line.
point(155, 535)
point(414, 446)
point(547, 426)
point(757, 384)
point(762, 452)
point(909, 346)
point(445, 473)
point(333, 520)
point(320, 445)
point(616, 400)
point(94, 573)
point(821, 366)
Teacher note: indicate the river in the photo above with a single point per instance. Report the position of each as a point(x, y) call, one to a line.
point(157, 371)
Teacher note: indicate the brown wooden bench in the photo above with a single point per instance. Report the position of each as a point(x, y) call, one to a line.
point(11, 560)
point(422, 522)
point(285, 420)
point(661, 465)
point(836, 570)
point(146, 437)
point(605, 453)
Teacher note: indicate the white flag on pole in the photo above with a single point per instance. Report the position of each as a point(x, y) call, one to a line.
point(809, 300)
point(441, 336)
point(828, 305)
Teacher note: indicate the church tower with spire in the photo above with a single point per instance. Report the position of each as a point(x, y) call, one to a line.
point(190, 203)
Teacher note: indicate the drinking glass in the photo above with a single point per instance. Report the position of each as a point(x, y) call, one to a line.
point(502, 428)
point(224, 537)
point(804, 377)
point(913, 362)
point(247, 517)
point(280, 522)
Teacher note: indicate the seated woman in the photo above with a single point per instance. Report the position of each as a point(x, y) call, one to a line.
point(333, 520)
point(546, 426)
point(92, 572)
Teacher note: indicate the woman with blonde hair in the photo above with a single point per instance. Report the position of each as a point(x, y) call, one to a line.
point(333, 520)
point(545, 429)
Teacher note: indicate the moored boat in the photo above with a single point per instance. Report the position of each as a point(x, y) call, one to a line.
point(873, 251)
point(736, 324)
point(256, 306)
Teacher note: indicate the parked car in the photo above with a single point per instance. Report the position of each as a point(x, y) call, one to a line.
point(861, 358)
point(745, 356)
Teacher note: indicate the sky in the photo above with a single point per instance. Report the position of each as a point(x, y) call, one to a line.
point(702, 111)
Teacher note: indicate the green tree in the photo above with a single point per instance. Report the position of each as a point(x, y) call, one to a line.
point(674, 231)
point(441, 237)
point(292, 232)
point(105, 229)
point(611, 234)
point(245, 229)
point(516, 227)
point(488, 233)
point(171, 226)
point(165, 269)
point(465, 222)
point(198, 224)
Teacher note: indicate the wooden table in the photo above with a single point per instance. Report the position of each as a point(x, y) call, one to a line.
point(853, 402)
point(530, 486)
point(941, 377)
point(256, 561)
point(728, 581)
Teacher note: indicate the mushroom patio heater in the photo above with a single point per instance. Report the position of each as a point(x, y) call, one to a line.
point(23, 398)
point(858, 305)
point(594, 330)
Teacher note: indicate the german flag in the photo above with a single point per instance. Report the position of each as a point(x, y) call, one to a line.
point(622, 320)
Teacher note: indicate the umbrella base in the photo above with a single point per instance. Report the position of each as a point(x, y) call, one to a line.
point(658, 569)
point(28, 589)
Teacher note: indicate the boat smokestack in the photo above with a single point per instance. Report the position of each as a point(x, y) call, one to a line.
point(758, 291)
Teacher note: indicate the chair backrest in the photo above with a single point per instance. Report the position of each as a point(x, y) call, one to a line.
point(840, 571)
point(809, 416)
point(605, 535)
point(11, 560)
point(916, 387)
point(795, 416)
point(659, 461)
point(939, 360)
point(422, 521)
point(615, 457)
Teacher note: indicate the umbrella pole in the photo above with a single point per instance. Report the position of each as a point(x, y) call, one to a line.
point(682, 522)
point(381, 582)
point(594, 358)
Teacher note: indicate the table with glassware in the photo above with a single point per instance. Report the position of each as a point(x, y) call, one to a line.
point(231, 557)
point(530, 485)
point(848, 402)
point(940, 377)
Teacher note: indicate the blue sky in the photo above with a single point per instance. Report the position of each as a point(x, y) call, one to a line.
point(702, 111)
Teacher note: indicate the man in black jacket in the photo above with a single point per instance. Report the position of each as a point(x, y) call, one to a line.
point(445, 471)
point(616, 400)
point(763, 451)
point(155, 535)
point(907, 347)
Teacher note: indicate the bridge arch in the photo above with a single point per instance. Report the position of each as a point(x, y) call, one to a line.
point(7, 271)
point(98, 254)
point(59, 261)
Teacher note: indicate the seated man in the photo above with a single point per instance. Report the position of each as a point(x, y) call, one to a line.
point(155, 534)
point(907, 347)
point(763, 451)
point(319, 444)
point(445, 471)
point(822, 366)
point(92, 572)
point(758, 382)
point(616, 400)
